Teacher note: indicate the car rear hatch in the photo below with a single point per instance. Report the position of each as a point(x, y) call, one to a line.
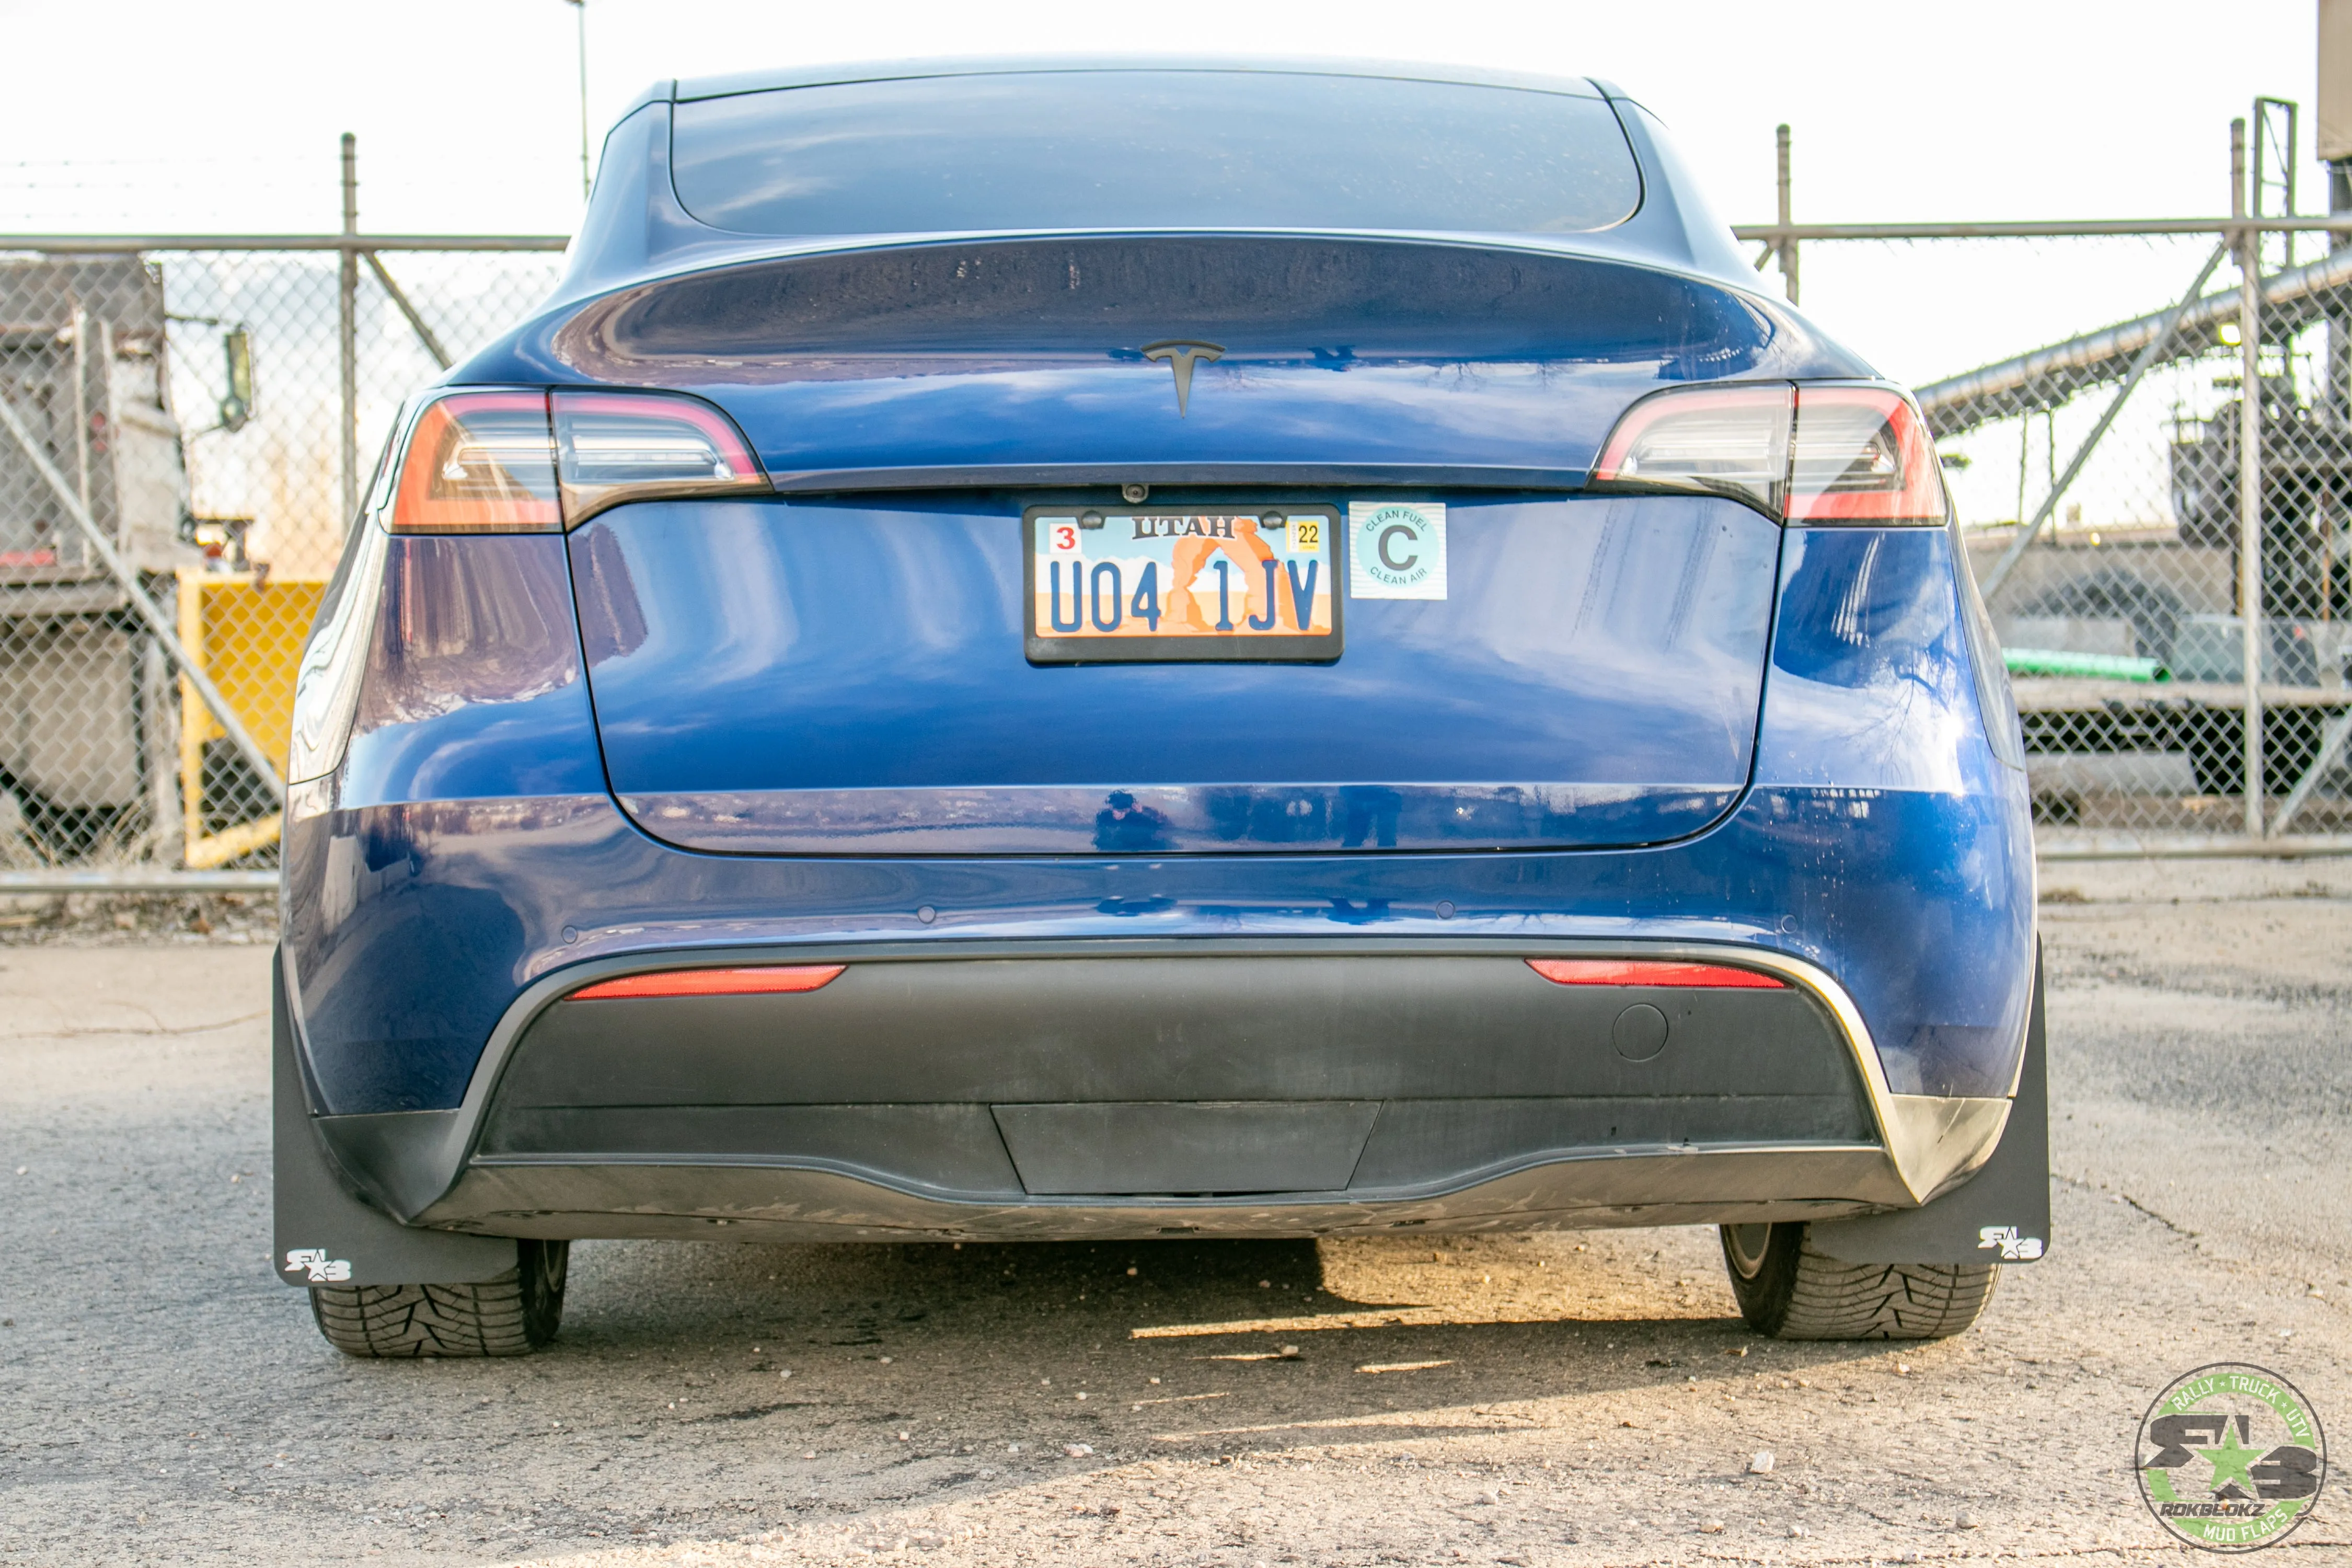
point(863, 663)
point(838, 676)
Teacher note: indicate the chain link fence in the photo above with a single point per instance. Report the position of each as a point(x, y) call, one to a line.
point(183, 432)
point(2100, 483)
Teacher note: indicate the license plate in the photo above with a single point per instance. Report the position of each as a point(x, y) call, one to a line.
point(1177, 584)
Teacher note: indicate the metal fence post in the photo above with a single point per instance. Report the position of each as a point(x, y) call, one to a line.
point(1788, 244)
point(2250, 478)
point(81, 362)
point(348, 323)
point(580, 10)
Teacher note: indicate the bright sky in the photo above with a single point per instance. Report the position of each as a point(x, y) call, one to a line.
point(173, 117)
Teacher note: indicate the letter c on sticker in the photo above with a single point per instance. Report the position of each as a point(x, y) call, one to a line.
point(1390, 562)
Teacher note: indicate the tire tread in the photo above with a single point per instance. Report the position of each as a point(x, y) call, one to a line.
point(1800, 1293)
point(1834, 1299)
point(497, 1317)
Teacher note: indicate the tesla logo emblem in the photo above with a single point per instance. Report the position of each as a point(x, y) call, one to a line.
point(1182, 356)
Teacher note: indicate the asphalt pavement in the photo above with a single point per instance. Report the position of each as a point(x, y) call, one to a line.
point(1587, 1398)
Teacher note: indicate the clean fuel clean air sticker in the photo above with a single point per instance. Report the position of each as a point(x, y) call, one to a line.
point(1396, 550)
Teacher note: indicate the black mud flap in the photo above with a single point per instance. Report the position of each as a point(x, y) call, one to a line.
point(324, 1235)
point(2000, 1215)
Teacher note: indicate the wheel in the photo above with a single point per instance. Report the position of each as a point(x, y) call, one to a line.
point(1789, 1291)
point(513, 1314)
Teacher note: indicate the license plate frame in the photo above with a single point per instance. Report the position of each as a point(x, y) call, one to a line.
point(1202, 535)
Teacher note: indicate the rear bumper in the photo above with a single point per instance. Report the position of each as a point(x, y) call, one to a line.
point(708, 1202)
point(1262, 1086)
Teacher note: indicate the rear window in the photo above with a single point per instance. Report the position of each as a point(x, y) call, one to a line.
point(1153, 149)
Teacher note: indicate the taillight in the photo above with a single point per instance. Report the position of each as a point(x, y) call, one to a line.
point(526, 462)
point(619, 447)
point(478, 462)
point(1861, 454)
point(1729, 440)
point(1801, 454)
point(1651, 972)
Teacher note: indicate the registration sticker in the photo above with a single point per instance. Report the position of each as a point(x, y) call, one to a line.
point(1182, 584)
point(1396, 550)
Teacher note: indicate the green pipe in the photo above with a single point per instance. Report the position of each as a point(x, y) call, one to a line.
point(2099, 666)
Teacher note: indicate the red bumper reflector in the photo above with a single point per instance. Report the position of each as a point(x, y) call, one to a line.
point(766, 981)
point(1632, 972)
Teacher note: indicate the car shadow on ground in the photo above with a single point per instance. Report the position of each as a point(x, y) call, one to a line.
point(1183, 1348)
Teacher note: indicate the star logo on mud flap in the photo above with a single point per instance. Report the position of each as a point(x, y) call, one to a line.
point(324, 1271)
point(2014, 1248)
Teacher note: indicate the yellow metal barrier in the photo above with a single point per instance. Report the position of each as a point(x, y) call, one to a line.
point(249, 636)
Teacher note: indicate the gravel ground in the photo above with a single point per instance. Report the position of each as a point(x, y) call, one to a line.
point(87, 919)
point(1563, 1399)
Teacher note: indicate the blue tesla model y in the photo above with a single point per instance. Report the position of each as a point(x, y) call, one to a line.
point(1140, 648)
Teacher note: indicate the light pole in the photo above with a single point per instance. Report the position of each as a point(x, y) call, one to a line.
point(580, 10)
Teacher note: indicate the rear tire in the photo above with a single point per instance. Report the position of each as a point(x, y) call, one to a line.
point(1789, 1291)
point(513, 1314)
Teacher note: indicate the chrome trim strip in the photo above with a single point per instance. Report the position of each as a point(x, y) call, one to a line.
point(1931, 1138)
point(1939, 1141)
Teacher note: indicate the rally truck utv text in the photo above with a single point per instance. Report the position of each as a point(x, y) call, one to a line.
point(1126, 649)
